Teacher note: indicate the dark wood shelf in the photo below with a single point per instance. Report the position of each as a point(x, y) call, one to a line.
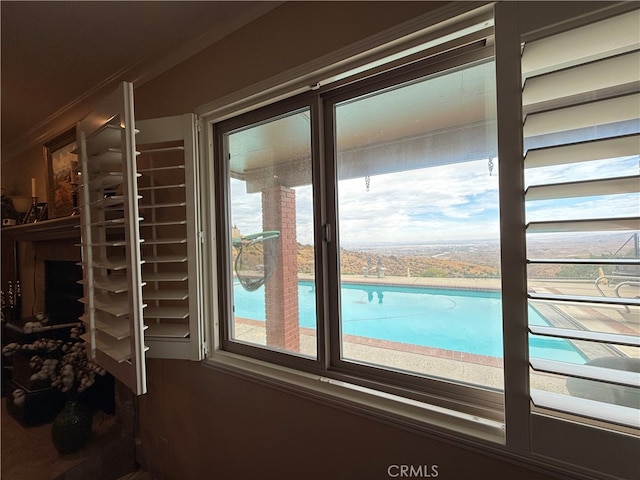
point(63, 227)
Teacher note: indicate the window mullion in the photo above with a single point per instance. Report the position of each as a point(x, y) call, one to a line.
point(329, 246)
point(320, 192)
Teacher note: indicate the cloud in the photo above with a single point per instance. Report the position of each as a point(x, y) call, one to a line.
point(454, 202)
point(614, 206)
point(246, 209)
point(431, 204)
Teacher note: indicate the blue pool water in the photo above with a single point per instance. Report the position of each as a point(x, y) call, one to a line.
point(459, 320)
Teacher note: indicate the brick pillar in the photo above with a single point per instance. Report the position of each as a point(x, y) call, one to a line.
point(281, 290)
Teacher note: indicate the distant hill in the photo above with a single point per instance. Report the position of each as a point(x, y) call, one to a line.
point(465, 261)
point(416, 266)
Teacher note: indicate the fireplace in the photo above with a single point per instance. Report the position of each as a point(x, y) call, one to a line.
point(41, 268)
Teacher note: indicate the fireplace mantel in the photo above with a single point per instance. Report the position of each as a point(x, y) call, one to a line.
point(63, 227)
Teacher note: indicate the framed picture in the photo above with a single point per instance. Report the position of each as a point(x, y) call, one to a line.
point(36, 213)
point(62, 167)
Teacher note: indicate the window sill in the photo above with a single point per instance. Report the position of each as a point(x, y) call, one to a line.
point(403, 412)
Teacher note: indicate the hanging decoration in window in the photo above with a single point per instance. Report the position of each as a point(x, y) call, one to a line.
point(256, 258)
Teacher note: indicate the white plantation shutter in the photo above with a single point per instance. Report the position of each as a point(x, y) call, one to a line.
point(111, 262)
point(140, 238)
point(170, 229)
point(581, 104)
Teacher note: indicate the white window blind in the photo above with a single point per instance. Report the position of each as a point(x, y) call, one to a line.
point(581, 106)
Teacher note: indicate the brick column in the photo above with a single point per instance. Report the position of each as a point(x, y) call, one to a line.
point(281, 290)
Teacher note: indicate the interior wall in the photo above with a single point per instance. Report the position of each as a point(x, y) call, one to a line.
point(17, 174)
point(292, 34)
point(199, 423)
point(288, 36)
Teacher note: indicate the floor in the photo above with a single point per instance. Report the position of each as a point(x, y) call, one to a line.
point(137, 475)
point(28, 453)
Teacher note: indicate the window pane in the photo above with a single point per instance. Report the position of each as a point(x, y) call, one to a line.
point(419, 228)
point(272, 235)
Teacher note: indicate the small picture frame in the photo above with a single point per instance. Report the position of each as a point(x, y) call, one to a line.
point(62, 168)
point(37, 212)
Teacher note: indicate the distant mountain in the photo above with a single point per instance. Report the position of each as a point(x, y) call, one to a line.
point(354, 263)
point(467, 259)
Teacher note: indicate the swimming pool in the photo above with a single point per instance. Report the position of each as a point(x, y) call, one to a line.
point(460, 320)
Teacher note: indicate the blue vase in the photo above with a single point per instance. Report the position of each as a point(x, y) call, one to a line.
point(72, 427)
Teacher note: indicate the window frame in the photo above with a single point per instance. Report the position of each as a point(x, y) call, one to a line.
point(225, 294)
point(472, 399)
point(489, 403)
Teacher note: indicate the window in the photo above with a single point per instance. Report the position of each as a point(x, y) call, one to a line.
point(417, 226)
point(271, 254)
point(402, 286)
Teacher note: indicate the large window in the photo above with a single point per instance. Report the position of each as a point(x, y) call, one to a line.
point(409, 242)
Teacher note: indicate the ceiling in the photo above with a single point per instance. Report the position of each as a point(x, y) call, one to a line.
point(56, 55)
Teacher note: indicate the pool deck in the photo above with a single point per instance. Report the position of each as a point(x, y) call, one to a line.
point(491, 284)
point(459, 366)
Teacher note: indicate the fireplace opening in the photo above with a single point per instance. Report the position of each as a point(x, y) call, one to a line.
point(62, 291)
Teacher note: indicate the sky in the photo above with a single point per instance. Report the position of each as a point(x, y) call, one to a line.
point(457, 202)
point(621, 205)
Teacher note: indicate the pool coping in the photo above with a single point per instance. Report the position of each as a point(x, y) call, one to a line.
point(401, 347)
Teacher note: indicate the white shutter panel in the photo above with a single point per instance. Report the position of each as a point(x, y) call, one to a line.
point(170, 229)
point(111, 262)
point(581, 101)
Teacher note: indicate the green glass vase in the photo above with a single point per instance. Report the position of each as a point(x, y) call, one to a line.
point(71, 428)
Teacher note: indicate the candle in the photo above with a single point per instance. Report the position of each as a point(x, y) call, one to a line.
point(33, 187)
